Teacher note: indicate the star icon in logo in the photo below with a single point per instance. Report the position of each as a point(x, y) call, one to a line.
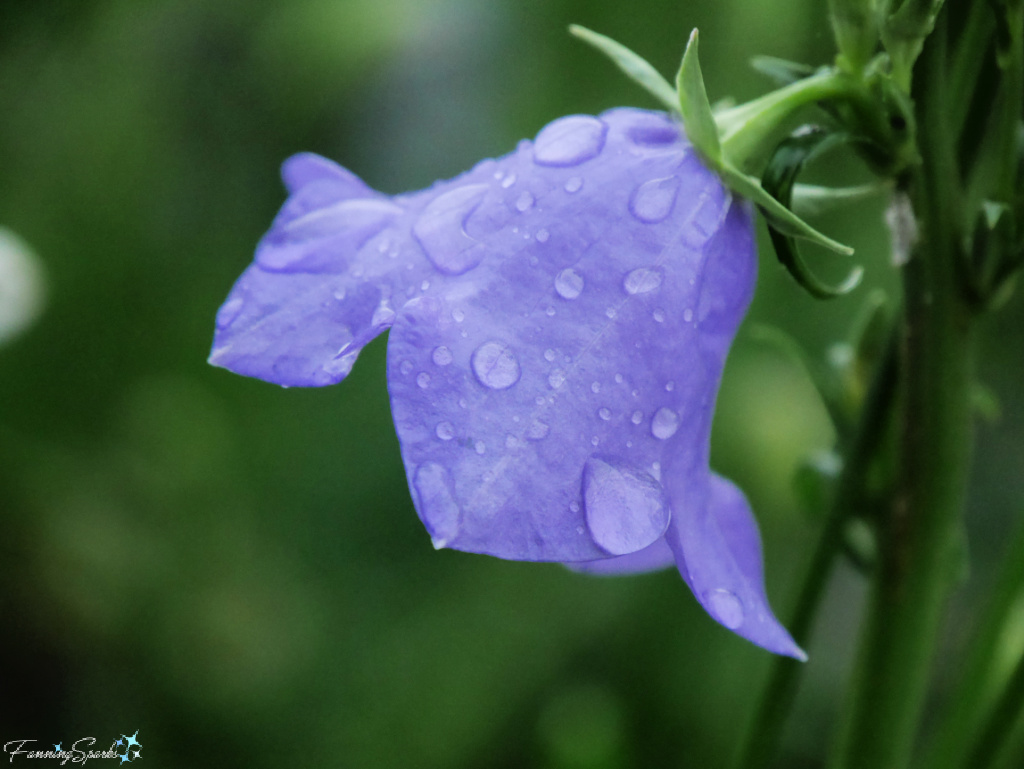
point(57, 747)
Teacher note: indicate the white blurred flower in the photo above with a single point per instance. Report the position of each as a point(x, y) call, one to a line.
point(21, 285)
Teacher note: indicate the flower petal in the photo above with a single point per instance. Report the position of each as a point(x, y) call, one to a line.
point(652, 558)
point(718, 549)
point(550, 373)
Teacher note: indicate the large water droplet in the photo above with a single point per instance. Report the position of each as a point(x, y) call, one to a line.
point(437, 506)
point(642, 281)
point(653, 200)
point(665, 423)
point(524, 202)
point(442, 356)
point(445, 431)
point(569, 283)
point(495, 365)
point(569, 141)
point(441, 230)
point(625, 509)
point(725, 607)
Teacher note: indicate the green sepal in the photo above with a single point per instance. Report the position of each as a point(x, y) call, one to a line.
point(635, 67)
point(779, 217)
point(695, 108)
point(781, 71)
point(779, 177)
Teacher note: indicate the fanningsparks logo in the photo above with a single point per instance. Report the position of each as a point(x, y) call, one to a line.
point(124, 748)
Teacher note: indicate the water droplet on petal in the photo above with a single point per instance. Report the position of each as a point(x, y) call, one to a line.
point(664, 424)
point(424, 285)
point(550, 312)
point(406, 367)
point(479, 447)
point(229, 311)
point(508, 181)
point(339, 294)
point(569, 141)
point(569, 283)
point(604, 413)
point(637, 417)
point(458, 315)
point(611, 313)
point(423, 380)
point(441, 356)
point(670, 386)
point(441, 230)
point(524, 202)
point(642, 281)
point(542, 236)
point(437, 506)
point(688, 315)
point(495, 365)
point(573, 184)
point(653, 200)
point(625, 509)
point(659, 316)
point(574, 506)
point(725, 607)
point(549, 356)
point(595, 387)
point(594, 441)
point(445, 431)
point(384, 315)
point(537, 431)
point(556, 379)
point(340, 365)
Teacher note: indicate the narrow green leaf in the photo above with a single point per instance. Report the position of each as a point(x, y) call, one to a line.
point(635, 67)
point(781, 71)
point(780, 217)
point(695, 107)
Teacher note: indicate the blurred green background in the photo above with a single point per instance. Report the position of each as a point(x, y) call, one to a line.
point(236, 570)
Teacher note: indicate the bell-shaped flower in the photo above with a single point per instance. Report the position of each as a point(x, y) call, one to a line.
point(559, 318)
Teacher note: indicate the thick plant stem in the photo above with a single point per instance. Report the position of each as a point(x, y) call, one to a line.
point(920, 535)
point(765, 732)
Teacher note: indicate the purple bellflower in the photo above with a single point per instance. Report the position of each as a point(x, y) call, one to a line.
point(559, 318)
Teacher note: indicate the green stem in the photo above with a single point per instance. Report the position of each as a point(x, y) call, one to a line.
point(1000, 724)
point(765, 732)
point(919, 537)
point(973, 694)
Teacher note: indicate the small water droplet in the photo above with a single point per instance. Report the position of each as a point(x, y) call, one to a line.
point(641, 281)
point(637, 417)
point(524, 202)
point(445, 431)
point(574, 506)
point(625, 508)
point(495, 365)
point(339, 294)
point(479, 447)
point(665, 423)
point(556, 378)
point(437, 505)
point(405, 367)
point(537, 431)
point(604, 413)
point(595, 387)
point(618, 379)
point(580, 530)
point(508, 181)
point(670, 386)
point(611, 313)
point(511, 441)
point(424, 285)
point(383, 315)
point(574, 184)
point(423, 380)
point(569, 141)
point(463, 404)
point(688, 315)
point(594, 441)
point(442, 356)
point(341, 364)
point(539, 400)
point(549, 356)
point(550, 312)
point(458, 315)
point(653, 200)
point(569, 283)
point(542, 236)
point(659, 316)
point(229, 311)
point(725, 607)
